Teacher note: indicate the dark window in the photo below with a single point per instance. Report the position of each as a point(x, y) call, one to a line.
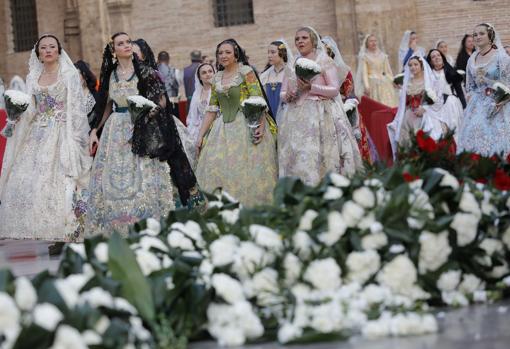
point(232, 12)
point(24, 24)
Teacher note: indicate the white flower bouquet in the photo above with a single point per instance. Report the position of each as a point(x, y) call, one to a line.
point(253, 108)
point(501, 92)
point(398, 79)
point(306, 69)
point(138, 106)
point(461, 72)
point(350, 106)
point(429, 97)
point(16, 103)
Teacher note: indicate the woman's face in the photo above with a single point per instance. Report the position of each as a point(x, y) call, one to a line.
point(414, 67)
point(443, 47)
point(136, 49)
point(206, 73)
point(226, 55)
point(481, 36)
point(48, 50)
point(372, 43)
point(470, 43)
point(122, 46)
point(413, 39)
point(437, 60)
point(272, 55)
point(303, 41)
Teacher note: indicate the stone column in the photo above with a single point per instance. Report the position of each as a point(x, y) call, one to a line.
point(119, 13)
point(72, 37)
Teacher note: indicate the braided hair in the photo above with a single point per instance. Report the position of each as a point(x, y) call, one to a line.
point(148, 55)
point(282, 52)
point(239, 53)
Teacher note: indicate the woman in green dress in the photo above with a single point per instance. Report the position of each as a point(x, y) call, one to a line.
point(228, 158)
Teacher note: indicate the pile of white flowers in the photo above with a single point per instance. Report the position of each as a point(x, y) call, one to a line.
point(308, 64)
point(140, 101)
point(17, 97)
point(255, 100)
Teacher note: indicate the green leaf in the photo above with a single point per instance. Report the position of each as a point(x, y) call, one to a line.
point(6, 281)
point(125, 269)
point(33, 337)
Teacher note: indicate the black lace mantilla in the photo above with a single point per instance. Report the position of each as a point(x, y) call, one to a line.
point(156, 136)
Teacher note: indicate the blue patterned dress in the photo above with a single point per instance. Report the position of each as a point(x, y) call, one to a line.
point(483, 130)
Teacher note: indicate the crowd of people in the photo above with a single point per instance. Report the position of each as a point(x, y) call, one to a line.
point(78, 164)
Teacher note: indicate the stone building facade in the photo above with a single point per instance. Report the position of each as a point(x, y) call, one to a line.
point(180, 26)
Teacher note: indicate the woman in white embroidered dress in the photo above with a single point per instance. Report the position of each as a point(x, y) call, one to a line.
point(46, 166)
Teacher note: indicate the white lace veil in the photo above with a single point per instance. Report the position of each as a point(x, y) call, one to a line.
point(343, 68)
point(403, 48)
point(396, 125)
point(74, 156)
point(320, 48)
point(18, 84)
point(193, 119)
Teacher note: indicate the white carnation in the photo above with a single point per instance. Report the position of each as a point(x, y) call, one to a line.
point(470, 283)
point(376, 227)
point(148, 242)
point(339, 180)
point(374, 241)
point(147, 261)
point(227, 288)
point(333, 193)
point(266, 280)
point(491, 246)
point(449, 280)
point(230, 216)
point(307, 219)
point(255, 100)
point(177, 239)
point(138, 330)
point(91, 338)
point(266, 237)
point(362, 265)
point(141, 101)
point(466, 226)
point(25, 294)
point(324, 274)
point(366, 222)
point(191, 229)
point(102, 324)
point(506, 237)
point(454, 298)
point(123, 305)
point(153, 226)
point(303, 244)
point(97, 297)
point(223, 250)
point(308, 64)
point(336, 229)
point(377, 328)
point(68, 337)
point(399, 275)
point(79, 249)
point(364, 197)
point(396, 249)
point(101, 252)
point(448, 180)
point(9, 313)
point(434, 251)
point(292, 268)
point(289, 332)
point(412, 324)
point(469, 204)
point(248, 257)
point(375, 294)
point(47, 316)
point(352, 213)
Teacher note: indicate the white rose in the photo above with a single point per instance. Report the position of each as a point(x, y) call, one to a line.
point(448, 180)
point(9, 313)
point(506, 237)
point(230, 216)
point(153, 226)
point(97, 297)
point(47, 316)
point(324, 274)
point(399, 275)
point(91, 338)
point(339, 180)
point(336, 229)
point(307, 219)
point(362, 265)
point(434, 251)
point(101, 252)
point(491, 246)
point(333, 193)
point(449, 280)
point(147, 261)
point(266, 237)
point(469, 204)
point(68, 337)
point(374, 241)
point(79, 249)
point(466, 226)
point(148, 242)
point(25, 294)
point(227, 288)
point(364, 197)
point(454, 298)
point(352, 213)
point(289, 332)
point(292, 268)
point(177, 239)
point(303, 244)
point(223, 250)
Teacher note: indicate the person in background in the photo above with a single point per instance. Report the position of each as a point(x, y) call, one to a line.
point(442, 46)
point(208, 59)
point(467, 47)
point(169, 75)
point(90, 86)
point(189, 74)
point(409, 48)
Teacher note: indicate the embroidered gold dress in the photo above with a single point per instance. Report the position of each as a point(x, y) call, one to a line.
point(124, 187)
point(378, 78)
point(229, 159)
